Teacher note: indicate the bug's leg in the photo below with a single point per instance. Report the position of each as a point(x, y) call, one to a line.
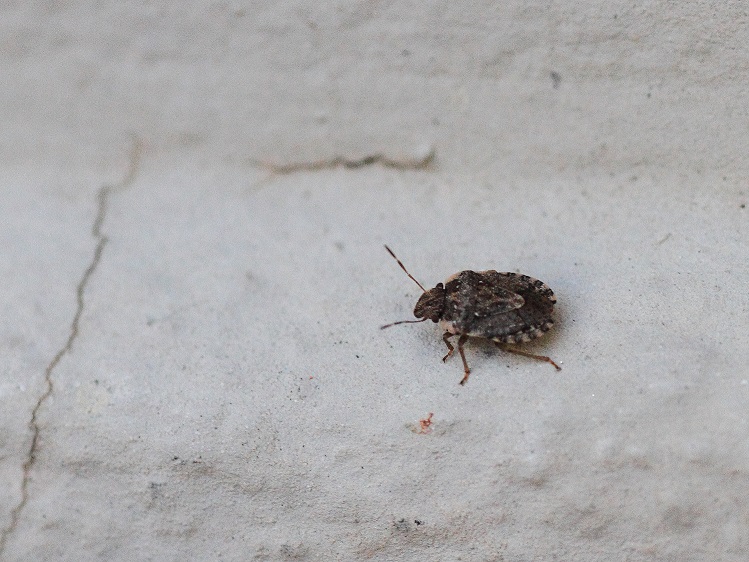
point(526, 354)
point(461, 340)
point(445, 338)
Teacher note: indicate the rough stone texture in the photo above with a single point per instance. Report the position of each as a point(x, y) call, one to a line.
point(229, 394)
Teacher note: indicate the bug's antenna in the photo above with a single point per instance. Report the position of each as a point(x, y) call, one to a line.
point(403, 322)
point(403, 267)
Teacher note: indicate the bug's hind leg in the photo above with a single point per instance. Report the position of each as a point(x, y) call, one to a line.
point(461, 340)
point(526, 354)
point(446, 338)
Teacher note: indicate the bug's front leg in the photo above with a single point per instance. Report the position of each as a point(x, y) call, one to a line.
point(446, 338)
point(461, 340)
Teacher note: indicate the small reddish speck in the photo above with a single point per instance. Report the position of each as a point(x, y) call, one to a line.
point(425, 423)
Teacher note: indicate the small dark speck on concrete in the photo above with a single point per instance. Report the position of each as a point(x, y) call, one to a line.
point(743, 205)
point(418, 522)
point(556, 79)
point(648, 94)
point(401, 525)
point(405, 52)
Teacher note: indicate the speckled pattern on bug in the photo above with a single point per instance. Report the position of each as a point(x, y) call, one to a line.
point(507, 308)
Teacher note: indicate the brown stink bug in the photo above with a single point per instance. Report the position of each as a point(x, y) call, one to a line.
point(507, 308)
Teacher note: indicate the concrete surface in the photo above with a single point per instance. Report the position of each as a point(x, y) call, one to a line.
point(194, 201)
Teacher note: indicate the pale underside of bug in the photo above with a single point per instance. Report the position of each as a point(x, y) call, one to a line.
point(507, 308)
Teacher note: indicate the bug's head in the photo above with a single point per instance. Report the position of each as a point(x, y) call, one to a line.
point(431, 304)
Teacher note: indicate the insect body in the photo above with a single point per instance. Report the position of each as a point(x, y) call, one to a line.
point(507, 308)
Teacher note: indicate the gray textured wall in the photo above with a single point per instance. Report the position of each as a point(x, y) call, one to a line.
point(191, 362)
point(656, 84)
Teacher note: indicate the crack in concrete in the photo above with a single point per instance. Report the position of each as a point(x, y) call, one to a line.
point(340, 161)
point(103, 204)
